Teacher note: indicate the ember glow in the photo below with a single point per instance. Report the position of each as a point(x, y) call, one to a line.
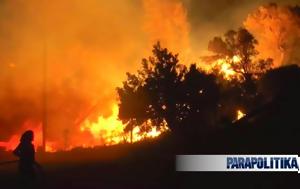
point(239, 114)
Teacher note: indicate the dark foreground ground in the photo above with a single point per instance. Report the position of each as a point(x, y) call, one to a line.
point(274, 129)
point(122, 166)
point(146, 165)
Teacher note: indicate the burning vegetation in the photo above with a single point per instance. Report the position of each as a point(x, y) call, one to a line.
point(235, 57)
point(277, 30)
point(111, 130)
point(166, 94)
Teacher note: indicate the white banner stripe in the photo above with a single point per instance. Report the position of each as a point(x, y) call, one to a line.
point(233, 163)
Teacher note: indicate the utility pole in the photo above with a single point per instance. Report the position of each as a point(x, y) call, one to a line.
point(45, 113)
point(45, 88)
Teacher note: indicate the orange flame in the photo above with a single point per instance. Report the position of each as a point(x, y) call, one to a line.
point(224, 66)
point(110, 130)
point(104, 131)
point(14, 140)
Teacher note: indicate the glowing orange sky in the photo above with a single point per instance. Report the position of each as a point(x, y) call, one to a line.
point(88, 47)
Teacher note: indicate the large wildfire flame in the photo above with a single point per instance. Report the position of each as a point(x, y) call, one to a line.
point(103, 131)
point(277, 28)
point(88, 47)
point(110, 130)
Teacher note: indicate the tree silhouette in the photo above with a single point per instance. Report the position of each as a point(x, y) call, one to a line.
point(200, 95)
point(151, 93)
point(164, 90)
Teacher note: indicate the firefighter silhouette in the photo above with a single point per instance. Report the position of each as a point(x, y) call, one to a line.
point(25, 152)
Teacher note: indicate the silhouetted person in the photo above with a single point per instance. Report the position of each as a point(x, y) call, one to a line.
point(25, 151)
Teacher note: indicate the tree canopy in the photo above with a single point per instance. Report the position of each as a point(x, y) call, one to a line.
point(164, 90)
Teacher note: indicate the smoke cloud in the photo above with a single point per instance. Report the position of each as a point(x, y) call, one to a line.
point(210, 19)
point(87, 48)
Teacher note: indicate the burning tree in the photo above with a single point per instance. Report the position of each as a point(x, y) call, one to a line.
point(237, 50)
point(234, 58)
point(166, 92)
point(277, 28)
